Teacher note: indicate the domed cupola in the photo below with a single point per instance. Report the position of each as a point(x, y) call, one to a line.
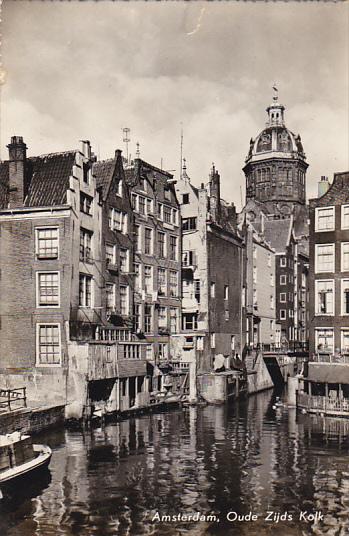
point(276, 164)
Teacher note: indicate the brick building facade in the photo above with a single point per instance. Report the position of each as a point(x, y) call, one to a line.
point(329, 269)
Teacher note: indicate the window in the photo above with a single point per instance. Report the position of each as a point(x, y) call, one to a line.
point(212, 289)
point(47, 243)
point(213, 340)
point(188, 258)
point(173, 283)
point(173, 248)
point(345, 257)
point(162, 317)
point(283, 297)
point(175, 216)
point(86, 172)
point(137, 317)
point(345, 296)
point(269, 259)
point(124, 300)
point(141, 204)
point(272, 302)
point(290, 313)
point(117, 220)
point(48, 344)
point(163, 351)
point(148, 245)
point(149, 352)
point(232, 343)
point(162, 281)
point(345, 341)
point(226, 292)
point(85, 245)
point(47, 289)
point(345, 216)
point(85, 290)
point(173, 319)
point(167, 214)
point(149, 206)
point(137, 274)
point(124, 260)
point(161, 239)
point(119, 188)
point(324, 339)
point(324, 219)
point(271, 280)
point(283, 262)
point(137, 235)
point(85, 203)
point(110, 295)
point(283, 280)
point(185, 199)
point(324, 297)
point(226, 315)
point(110, 254)
point(197, 290)
point(134, 199)
point(282, 314)
point(160, 210)
point(147, 318)
point(324, 257)
point(190, 321)
point(148, 279)
point(189, 224)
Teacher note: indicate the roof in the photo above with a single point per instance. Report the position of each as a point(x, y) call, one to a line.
point(277, 233)
point(103, 171)
point(47, 177)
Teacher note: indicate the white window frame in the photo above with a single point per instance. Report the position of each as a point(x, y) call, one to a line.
point(317, 304)
point(127, 261)
point(342, 340)
point(317, 270)
point(283, 297)
point(212, 289)
point(226, 292)
point(127, 295)
point(343, 282)
point(213, 340)
point(283, 314)
point(89, 276)
point(283, 279)
point(37, 345)
point(342, 257)
point(113, 294)
point(37, 232)
point(343, 215)
point(56, 306)
point(283, 262)
point(163, 318)
point(317, 329)
point(332, 215)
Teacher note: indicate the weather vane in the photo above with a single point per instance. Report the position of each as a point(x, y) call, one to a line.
point(276, 93)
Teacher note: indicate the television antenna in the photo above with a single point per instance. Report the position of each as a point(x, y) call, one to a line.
point(126, 139)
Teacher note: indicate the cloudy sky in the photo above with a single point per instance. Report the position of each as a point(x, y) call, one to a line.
point(85, 70)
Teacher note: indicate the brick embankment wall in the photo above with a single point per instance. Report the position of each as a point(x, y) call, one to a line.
point(31, 421)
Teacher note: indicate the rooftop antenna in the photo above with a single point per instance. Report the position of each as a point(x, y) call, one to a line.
point(126, 139)
point(180, 166)
point(138, 153)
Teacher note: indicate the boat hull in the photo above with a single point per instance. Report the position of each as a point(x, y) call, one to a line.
point(11, 478)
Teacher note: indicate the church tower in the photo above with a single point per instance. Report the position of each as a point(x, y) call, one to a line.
point(275, 167)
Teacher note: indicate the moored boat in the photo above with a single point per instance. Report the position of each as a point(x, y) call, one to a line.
point(19, 459)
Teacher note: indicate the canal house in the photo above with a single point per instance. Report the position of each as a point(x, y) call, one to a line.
point(60, 302)
point(326, 377)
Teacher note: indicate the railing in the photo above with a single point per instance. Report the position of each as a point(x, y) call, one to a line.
point(330, 358)
point(10, 396)
point(323, 404)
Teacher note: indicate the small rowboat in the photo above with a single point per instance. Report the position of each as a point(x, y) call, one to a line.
point(19, 459)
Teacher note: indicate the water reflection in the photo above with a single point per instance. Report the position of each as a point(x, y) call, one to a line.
point(213, 460)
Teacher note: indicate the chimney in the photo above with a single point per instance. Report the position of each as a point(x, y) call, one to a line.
point(85, 148)
point(17, 164)
point(215, 194)
point(323, 186)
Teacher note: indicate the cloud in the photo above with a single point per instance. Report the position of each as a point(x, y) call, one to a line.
point(85, 70)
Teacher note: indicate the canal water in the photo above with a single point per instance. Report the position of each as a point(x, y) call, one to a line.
point(250, 458)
